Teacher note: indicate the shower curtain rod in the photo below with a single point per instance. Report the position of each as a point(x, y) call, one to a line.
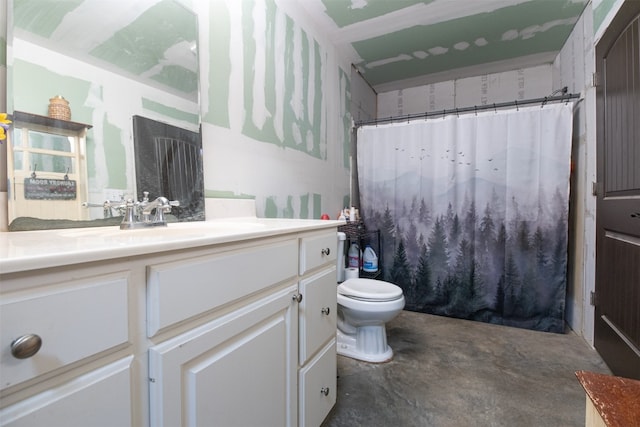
point(475, 108)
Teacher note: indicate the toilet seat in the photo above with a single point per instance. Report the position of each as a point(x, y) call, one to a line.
point(369, 290)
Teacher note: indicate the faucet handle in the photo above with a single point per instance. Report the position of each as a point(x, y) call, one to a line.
point(129, 219)
point(174, 202)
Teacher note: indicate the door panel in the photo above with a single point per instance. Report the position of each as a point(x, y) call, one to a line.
point(617, 323)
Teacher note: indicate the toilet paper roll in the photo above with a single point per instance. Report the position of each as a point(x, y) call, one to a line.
point(351, 273)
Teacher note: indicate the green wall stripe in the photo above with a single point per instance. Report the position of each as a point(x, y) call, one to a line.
point(3, 51)
point(271, 208)
point(223, 194)
point(41, 17)
point(601, 12)
point(317, 206)
point(288, 211)
point(346, 119)
point(220, 65)
point(170, 111)
point(115, 151)
point(304, 206)
point(37, 84)
point(343, 13)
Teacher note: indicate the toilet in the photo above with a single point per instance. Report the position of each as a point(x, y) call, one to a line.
point(364, 307)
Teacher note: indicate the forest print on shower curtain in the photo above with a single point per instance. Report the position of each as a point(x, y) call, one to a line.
point(473, 212)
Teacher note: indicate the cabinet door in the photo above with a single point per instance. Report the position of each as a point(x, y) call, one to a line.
point(101, 398)
point(237, 370)
point(317, 312)
point(318, 386)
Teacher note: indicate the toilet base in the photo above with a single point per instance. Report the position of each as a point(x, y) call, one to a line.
point(368, 344)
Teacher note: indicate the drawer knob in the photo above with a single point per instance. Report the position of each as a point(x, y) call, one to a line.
point(297, 297)
point(26, 346)
point(326, 251)
point(326, 310)
point(325, 391)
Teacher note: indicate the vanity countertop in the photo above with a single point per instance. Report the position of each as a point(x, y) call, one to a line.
point(30, 250)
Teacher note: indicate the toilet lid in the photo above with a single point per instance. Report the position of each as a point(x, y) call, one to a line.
point(369, 290)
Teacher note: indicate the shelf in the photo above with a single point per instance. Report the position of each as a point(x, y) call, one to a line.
point(367, 275)
point(353, 229)
point(22, 117)
point(356, 232)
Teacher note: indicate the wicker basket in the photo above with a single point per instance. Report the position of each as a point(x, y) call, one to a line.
point(59, 108)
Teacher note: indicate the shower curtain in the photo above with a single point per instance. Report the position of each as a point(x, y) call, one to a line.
point(472, 211)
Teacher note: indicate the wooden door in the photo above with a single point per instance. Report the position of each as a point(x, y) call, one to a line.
point(617, 322)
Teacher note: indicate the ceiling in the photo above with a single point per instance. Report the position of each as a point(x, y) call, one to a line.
point(405, 43)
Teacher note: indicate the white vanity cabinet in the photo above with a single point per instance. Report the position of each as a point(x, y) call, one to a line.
point(228, 331)
point(64, 348)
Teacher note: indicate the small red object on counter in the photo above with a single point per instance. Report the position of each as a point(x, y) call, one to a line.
point(324, 216)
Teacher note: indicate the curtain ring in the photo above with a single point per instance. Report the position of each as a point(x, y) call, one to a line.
point(457, 113)
point(443, 113)
point(517, 109)
point(543, 102)
point(494, 108)
point(475, 108)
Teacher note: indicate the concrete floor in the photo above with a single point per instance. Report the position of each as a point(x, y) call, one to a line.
point(451, 372)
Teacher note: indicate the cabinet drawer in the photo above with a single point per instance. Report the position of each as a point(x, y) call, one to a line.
point(317, 311)
point(181, 290)
point(74, 322)
point(318, 386)
point(316, 251)
point(79, 402)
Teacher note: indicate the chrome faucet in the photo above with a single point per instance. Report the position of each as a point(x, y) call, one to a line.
point(108, 206)
point(161, 205)
point(139, 214)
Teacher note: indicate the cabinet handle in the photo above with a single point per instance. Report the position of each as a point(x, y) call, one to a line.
point(26, 346)
point(325, 391)
point(326, 310)
point(297, 297)
point(326, 251)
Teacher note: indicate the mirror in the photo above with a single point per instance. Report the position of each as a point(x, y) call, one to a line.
point(111, 61)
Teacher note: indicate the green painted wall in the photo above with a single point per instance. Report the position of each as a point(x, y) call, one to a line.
point(35, 84)
point(291, 99)
point(41, 17)
point(169, 111)
point(302, 54)
point(219, 70)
